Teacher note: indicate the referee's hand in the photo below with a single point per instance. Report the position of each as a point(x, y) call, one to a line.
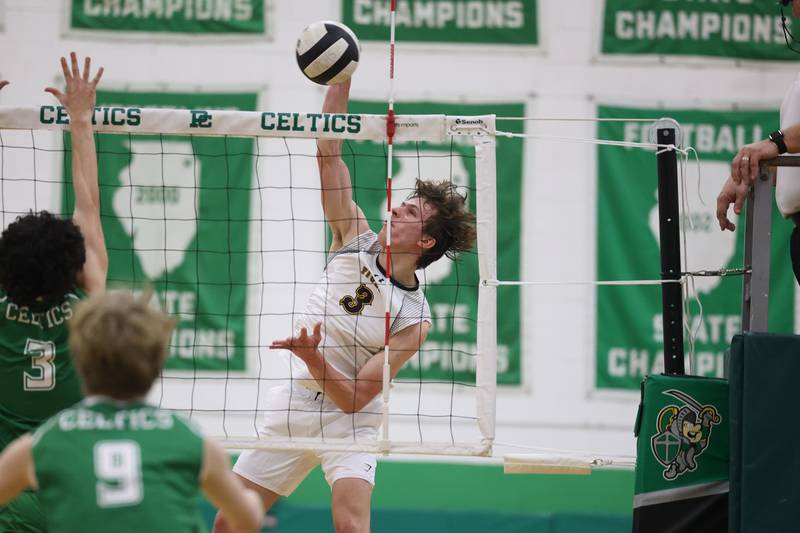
point(744, 167)
point(731, 194)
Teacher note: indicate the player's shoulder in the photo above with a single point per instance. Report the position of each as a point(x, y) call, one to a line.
point(364, 242)
point(53, 425)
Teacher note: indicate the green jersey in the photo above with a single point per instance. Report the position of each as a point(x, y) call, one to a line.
point(124, 467)
point(37, 378)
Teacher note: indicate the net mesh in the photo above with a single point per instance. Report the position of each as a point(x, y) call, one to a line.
point(229, 231)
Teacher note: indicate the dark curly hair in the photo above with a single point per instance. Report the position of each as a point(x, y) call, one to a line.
point(40, 257)
point(453, 226)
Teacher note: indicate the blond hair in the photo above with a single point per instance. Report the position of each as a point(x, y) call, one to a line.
point(119, 344)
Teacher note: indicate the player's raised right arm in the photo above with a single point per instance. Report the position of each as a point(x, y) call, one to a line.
point(241, 507)
point(79, 101)
point(344, 217)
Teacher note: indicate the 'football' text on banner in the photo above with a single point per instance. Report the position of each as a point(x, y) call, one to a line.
point(629, 323)
point(451, 287)
point(195, 17)
point(175, 213)
point(741, 29)
point(445, 21)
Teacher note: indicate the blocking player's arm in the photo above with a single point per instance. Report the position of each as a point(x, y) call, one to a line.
point(351, 395)
point(241, 507)
point(16, 469)
point(79, 101)
point(344, 217)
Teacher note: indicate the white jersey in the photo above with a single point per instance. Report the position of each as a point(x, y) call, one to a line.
point(349, 300)
point(787, 188)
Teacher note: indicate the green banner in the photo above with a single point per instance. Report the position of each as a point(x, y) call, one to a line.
point(451, 287)
point(742, 29)
point(683, 441)
point(445, 21)
point(629, 328)
point(175, 212)
point(195, 17)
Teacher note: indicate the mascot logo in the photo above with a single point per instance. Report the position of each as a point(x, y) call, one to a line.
point(684, 432)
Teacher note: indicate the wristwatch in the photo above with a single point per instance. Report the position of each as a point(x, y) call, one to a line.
point(777, 137)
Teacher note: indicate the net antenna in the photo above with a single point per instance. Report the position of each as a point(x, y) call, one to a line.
point(390, 126)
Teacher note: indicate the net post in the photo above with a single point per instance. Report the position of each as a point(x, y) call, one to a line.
point(757, 239)
point(669, 233)
point(486, 210)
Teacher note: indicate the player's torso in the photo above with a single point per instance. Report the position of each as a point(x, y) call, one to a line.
point(103, 467)
point(37, 378)
point(350, 301)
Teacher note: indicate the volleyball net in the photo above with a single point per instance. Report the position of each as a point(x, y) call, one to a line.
point(219, 211)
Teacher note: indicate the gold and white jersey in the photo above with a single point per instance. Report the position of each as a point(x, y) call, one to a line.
point(349, 301)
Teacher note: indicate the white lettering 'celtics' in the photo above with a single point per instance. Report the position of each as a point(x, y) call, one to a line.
point(349, 301)
point(83, 419)
point(698, 26)
point(478, 14)
point(220, 10)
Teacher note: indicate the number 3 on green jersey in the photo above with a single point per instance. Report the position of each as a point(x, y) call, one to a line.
point(42, 354)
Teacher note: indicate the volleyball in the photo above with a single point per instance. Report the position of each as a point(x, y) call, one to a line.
point(328, 52)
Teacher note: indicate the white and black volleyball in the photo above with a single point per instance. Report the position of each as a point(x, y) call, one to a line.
point(327, 52)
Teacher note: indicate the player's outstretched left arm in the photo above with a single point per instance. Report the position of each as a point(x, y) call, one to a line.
point(79, 101)
point(3, 83)
point(351, 395)
point(16, 469)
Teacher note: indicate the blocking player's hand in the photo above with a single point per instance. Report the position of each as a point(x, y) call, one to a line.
point(3, 83)
point(79, 98)
point(303, 345)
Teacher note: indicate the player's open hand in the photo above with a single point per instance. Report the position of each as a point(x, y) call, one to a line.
point(80, 95)
point(303, 345)
point(3, 83)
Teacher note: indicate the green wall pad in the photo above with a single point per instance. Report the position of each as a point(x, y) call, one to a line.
point(682, 456)
point(765, 464)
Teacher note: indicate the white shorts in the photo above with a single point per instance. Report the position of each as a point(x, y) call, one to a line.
point(311, 416)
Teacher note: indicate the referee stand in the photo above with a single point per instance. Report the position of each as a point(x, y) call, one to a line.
point(764, 459)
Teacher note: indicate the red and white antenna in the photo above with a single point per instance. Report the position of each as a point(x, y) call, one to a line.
point(387, 373)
